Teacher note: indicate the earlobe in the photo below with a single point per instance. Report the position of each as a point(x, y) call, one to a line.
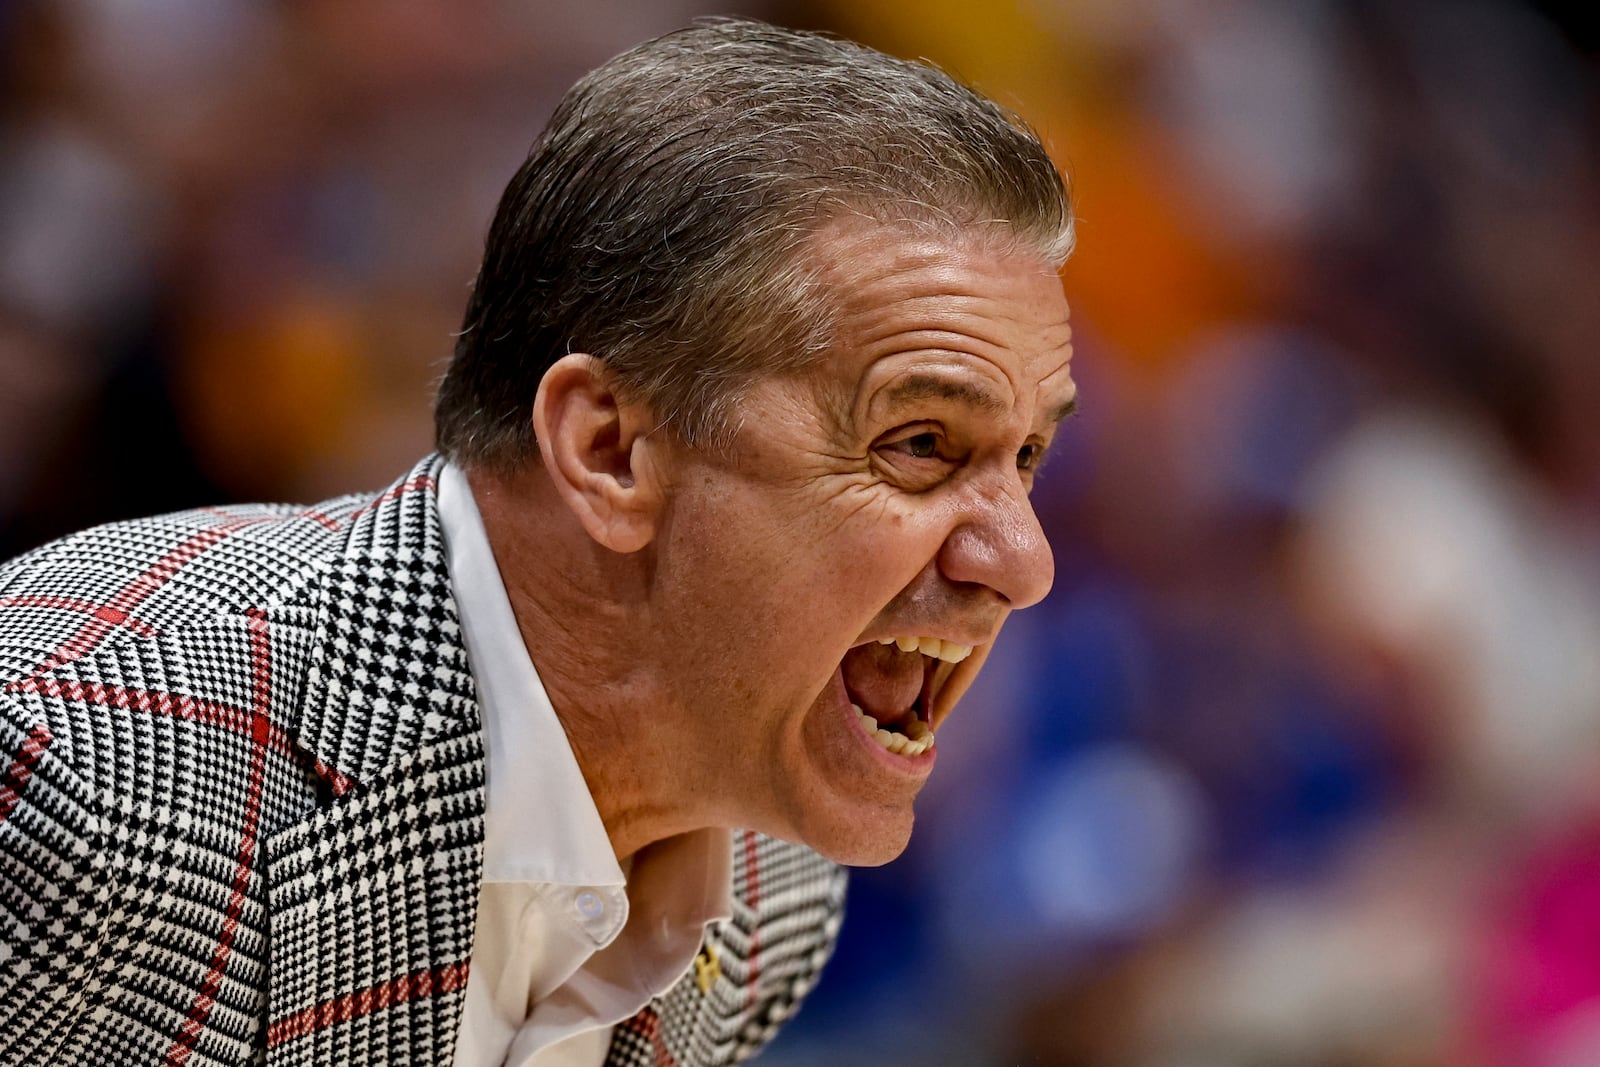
point(597, 451)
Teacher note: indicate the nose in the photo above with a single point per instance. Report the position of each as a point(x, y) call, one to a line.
point(998, 543)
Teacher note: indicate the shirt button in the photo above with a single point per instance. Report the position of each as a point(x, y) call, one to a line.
point(590, 906)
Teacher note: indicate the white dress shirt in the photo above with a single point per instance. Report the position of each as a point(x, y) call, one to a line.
point(565, 944)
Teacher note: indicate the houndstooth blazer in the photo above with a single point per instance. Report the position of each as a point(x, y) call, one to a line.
point(241, 817)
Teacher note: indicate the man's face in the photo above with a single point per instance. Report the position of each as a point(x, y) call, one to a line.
point(879, 496)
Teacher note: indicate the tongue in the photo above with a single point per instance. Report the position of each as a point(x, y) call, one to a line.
point(883, 681)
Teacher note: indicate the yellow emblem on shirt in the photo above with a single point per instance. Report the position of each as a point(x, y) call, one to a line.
point(707, 968)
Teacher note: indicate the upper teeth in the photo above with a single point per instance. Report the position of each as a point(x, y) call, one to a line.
point(948, 651)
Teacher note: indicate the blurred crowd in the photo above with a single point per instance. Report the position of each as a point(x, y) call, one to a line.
point(1298, 766)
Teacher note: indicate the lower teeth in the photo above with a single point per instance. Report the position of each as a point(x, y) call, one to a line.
point(917, 739)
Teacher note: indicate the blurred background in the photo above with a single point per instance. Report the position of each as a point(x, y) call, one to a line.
point(1299, 765)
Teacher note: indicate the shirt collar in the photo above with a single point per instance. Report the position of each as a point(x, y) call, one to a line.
point(540, 822)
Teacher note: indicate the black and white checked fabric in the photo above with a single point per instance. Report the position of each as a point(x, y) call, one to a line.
point(787, 907)
point(241, 806)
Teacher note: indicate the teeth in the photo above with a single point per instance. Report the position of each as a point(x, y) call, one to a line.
point(954, 653)
point(933, 647)
point(917, 739)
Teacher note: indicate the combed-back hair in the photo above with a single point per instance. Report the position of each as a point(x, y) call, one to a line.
point(662, 219)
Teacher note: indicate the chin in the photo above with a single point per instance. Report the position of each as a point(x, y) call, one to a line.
point(862, 842)
point(873, 856)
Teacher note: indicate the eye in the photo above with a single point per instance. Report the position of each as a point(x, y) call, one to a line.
point(924, 444)
point(1028, 457)
point(917, 457)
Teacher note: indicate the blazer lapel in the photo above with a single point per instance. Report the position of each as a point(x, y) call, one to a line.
point(371, 897)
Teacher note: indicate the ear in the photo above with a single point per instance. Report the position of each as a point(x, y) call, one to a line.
point(596, 449)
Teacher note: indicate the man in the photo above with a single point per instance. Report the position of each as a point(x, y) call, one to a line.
point(524, 759)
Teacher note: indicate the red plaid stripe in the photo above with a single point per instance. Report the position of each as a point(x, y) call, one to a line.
point(647, 1024)
point(421, 482)
point(104, 618)
point(21, 769)
point(417, 985)
point(114, 613)
point(104, 613)
point(181, 706)
point(260, 727)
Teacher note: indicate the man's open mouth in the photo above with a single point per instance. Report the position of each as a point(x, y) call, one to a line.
point(892, 683)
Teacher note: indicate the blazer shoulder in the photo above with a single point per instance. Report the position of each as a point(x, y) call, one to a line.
point(173, 571)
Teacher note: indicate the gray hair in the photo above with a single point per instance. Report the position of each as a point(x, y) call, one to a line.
point(661, 221)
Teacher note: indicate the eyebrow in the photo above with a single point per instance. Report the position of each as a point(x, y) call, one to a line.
point(1065, 411)
point(933, 387)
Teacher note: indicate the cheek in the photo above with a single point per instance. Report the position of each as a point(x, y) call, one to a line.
point(818, 581)
point(811, 557)
point(893, 541)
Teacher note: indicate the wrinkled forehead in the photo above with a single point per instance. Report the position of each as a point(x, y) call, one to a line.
point(934, 308)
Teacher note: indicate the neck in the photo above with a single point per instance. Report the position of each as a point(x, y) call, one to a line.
point(584, 613)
